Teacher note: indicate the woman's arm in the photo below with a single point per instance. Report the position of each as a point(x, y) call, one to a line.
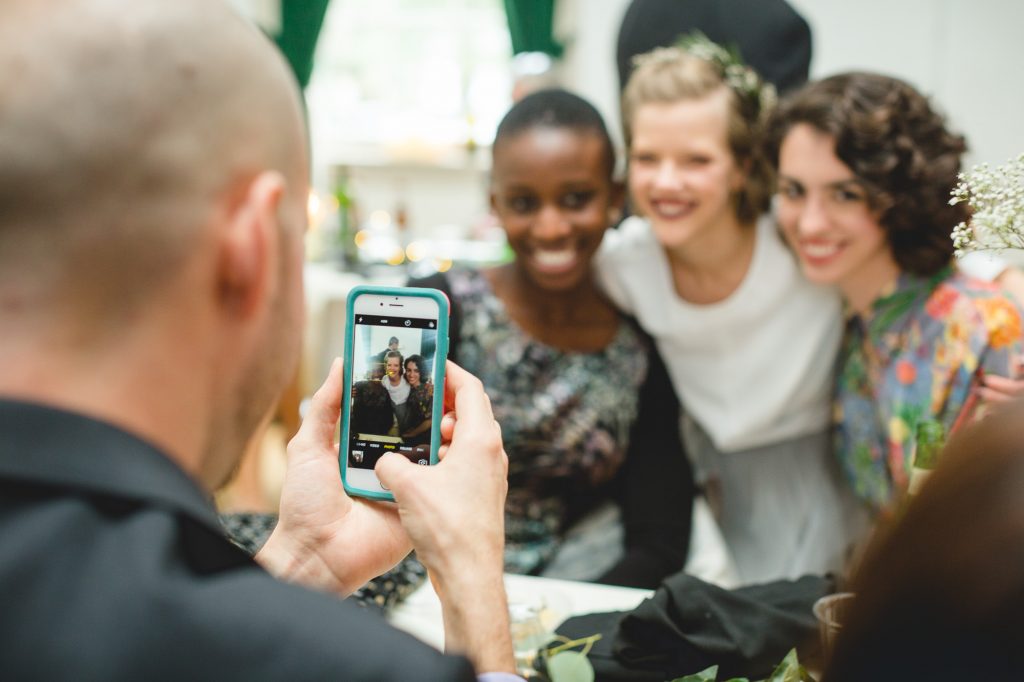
point(440, 282)
point(657, 487)
point(417, 430)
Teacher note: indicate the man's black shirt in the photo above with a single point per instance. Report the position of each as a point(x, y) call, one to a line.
point(113, 566)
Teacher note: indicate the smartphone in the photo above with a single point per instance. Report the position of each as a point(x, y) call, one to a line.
point(396, 344)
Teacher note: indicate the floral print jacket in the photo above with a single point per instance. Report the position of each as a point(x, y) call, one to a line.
point(917, 355)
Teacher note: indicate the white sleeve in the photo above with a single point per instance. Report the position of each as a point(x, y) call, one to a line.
point(610, 270)
point(984, 265)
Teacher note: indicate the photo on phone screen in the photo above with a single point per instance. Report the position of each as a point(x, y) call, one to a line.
point(394, 360)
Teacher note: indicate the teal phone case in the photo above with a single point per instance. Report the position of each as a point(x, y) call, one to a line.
point(437, 408)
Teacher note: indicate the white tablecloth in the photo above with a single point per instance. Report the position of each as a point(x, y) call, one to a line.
point(420, 613)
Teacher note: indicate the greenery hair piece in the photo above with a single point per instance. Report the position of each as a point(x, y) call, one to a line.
point(735, 73)
point(996, 199)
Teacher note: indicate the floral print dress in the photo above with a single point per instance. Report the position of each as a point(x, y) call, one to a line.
point(565, 416)
point(917, 355)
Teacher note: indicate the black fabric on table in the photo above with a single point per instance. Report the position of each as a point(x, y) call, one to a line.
point(690, 625)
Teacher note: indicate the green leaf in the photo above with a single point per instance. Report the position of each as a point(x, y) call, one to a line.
point(708, 675)
point(789, 670)
point(570, 666)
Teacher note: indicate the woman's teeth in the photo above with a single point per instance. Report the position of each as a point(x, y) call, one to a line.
point(671, 209)
point(820, 250)
point(555, 259)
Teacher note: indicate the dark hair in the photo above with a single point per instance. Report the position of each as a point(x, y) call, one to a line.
point(940, 596)
point(898, 146)
point(421, 365)
point(555, 108)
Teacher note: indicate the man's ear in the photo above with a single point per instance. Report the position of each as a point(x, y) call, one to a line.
point(249, 248)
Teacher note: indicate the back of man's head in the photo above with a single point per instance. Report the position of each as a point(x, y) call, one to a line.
point(124, 124)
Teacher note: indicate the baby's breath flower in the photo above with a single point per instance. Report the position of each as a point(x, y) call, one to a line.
point(996, 199)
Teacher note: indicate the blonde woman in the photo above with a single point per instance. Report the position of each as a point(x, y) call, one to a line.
point(748, 341)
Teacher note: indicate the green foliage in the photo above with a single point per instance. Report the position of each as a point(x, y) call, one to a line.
point(570, 666)
point(564, 665)
point(709, 675)
point(734, 72)
point(789, 670)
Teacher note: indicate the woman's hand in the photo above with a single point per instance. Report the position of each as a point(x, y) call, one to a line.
point(996, 389)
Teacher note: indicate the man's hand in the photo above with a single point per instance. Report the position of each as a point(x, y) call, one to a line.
point(324, 538)
point(454, 513)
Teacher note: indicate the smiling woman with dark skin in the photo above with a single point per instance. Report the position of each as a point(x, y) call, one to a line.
point(553, 193)
point(587, 414)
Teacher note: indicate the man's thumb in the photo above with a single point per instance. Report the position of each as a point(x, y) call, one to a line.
point(391, 469)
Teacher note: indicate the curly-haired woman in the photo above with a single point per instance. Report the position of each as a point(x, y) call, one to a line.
point(416, 429)
point(865, 170)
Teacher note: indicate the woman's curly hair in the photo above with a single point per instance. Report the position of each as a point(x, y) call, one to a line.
point(898, 146)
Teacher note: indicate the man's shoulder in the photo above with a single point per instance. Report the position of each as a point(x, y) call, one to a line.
point(126, 590)
point(256, 623)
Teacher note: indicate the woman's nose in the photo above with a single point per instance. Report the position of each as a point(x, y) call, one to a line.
point(551, 223)
point(813, 218)
point(667, 176)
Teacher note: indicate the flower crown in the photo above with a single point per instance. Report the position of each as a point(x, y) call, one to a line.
point(735, 73)
point(996, 199)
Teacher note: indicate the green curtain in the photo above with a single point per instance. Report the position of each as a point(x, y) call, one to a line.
point(300, 27)
point(530, 22)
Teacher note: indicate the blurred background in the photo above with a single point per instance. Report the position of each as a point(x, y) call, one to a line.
point(403, 98)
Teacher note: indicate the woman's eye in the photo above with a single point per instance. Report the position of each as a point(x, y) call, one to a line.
point(574, 200)
point(643, 158)
point(789, 191)
point(698, 161)
point(847, 196)
point(521, 204)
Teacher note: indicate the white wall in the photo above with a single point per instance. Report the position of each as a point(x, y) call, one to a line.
point(966, 54)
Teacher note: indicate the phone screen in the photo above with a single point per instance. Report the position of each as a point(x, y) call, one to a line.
point(393, 366)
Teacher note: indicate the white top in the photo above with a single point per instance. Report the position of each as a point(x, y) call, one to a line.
point(400, 393)
point(753, 369)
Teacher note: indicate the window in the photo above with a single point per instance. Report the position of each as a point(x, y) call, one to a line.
point(431, 73)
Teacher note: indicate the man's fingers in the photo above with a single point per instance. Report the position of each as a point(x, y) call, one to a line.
point(392, 469)
point(321, 420)
point(467, 394)
point(447, 426)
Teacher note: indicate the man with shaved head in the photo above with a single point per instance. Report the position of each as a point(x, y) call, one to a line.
point(153, 178)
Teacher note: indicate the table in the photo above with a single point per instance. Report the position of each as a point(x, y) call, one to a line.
point(420, 613)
